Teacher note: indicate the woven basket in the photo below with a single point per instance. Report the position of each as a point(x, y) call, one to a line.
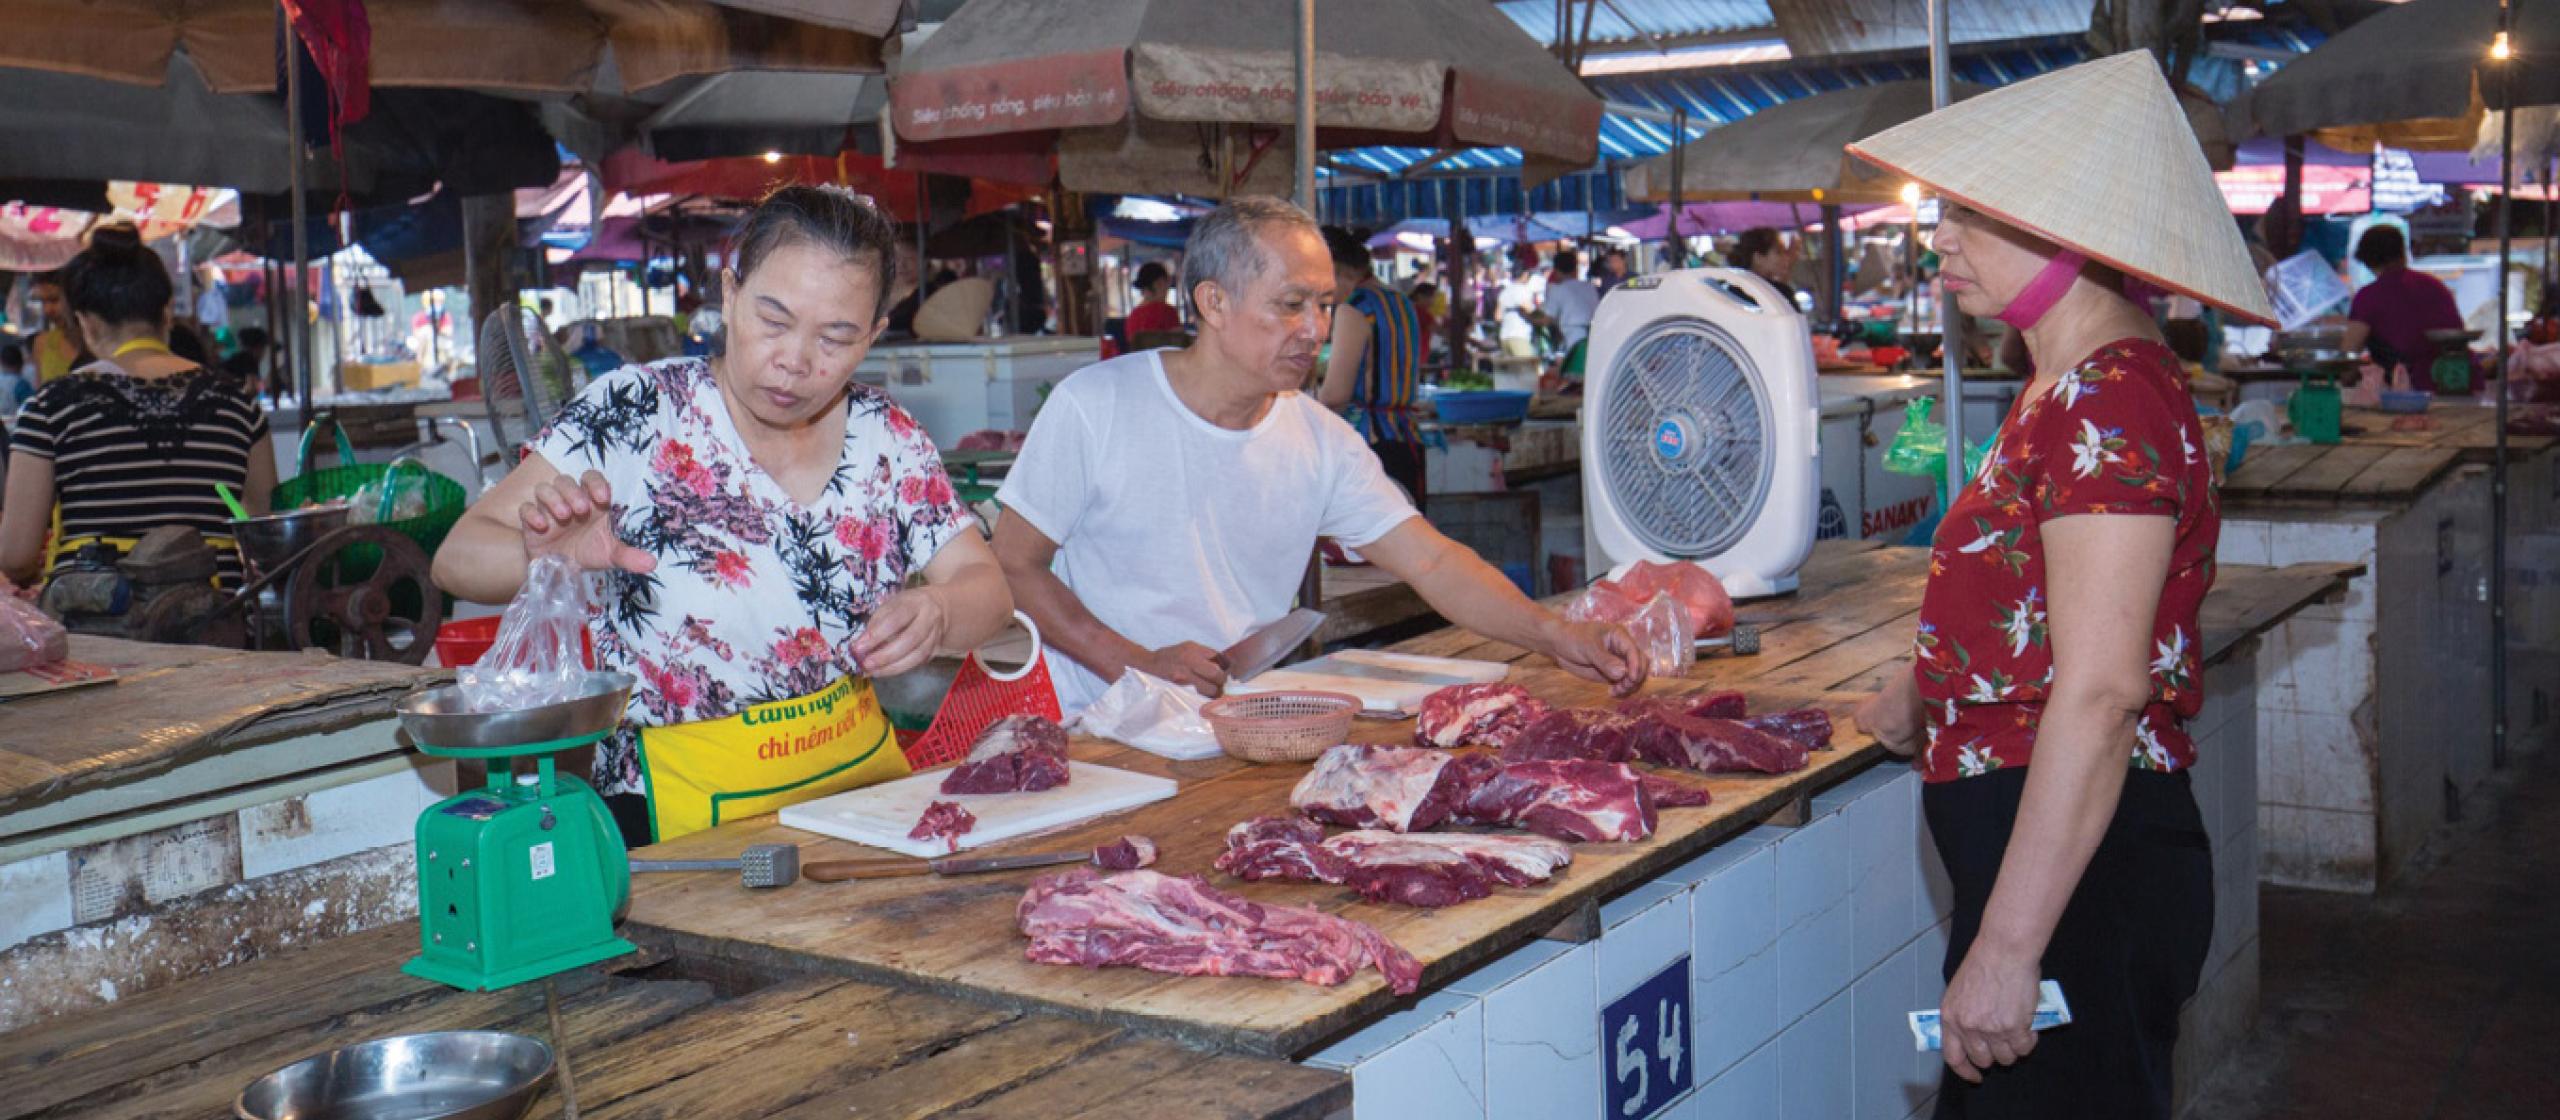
point(1281, 726)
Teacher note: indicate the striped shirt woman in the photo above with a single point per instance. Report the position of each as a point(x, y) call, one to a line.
point(135, 441)
point(1376, 367)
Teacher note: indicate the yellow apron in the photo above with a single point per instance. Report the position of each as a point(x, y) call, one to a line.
point(699, 775)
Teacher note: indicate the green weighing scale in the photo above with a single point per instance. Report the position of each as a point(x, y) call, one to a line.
point(521, 879)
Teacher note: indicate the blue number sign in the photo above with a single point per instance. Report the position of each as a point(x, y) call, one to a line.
point(1644, 1046)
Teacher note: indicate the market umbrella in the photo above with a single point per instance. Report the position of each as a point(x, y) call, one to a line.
point(1132, 94)
point(1794, 151)
point(2408, 76)
point(631, 173)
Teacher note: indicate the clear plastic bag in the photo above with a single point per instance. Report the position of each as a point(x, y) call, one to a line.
point(28, 636)
point(536, 658)
point(399, 495)
point(1663, 631)
point(1153, 715)
point(1600, 602)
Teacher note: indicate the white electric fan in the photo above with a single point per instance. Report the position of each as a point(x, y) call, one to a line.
point(1700, 432)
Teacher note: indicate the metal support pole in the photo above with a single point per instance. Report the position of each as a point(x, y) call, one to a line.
point(1950, 320)
point(300, 309)
point(1835, 299)
point(1307, 105)
point(1679, 184)
point(2498, 472)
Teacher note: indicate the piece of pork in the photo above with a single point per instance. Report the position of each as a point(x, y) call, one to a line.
point(1400, 789)
point(1475, 715)
point(1184, 926)
point(1016, 754)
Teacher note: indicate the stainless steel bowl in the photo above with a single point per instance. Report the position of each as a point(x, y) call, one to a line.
point(440, 717)
point(268, 542)
point(445, 1075)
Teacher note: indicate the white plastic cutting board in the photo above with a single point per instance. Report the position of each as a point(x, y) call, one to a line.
point(1384, 682)
point(881, 815)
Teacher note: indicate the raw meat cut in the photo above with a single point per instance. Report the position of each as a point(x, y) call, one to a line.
point(1809, 726)
point(1711, 705)
point(1569, 799)
point(1016, 754)
point(1419, 869)
point(1400, 789)
point(1697, 589)
point(1475, 715)
point(1669, 736)
point(1127, 853)
point(1188, 928)
point(946, 820)
point(1280, 848)
point(1668, 794)
point(1586, 733)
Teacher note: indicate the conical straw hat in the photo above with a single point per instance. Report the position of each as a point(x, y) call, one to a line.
point(2099, 158)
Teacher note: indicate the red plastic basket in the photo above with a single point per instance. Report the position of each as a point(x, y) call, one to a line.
point(980, 696)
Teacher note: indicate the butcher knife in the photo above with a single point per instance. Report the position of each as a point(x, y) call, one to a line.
point(1266, 647)
point(839, 870)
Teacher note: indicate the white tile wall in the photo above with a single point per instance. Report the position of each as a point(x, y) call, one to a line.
point(1883, 885)
point(1643, 931)
point(1887, 1082)
point(1541, 1041)
point(2243, 542)
point(1737, 1010)
point(1734, 913)
point(1814, 959)
point(1748, 1091)
point(1811, 1056)
point(375, 813)
point(1423, 1063)
point(35, 897)
point(1813, 870)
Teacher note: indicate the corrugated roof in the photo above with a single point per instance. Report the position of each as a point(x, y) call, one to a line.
point(1821, 28)
point(1664, 19)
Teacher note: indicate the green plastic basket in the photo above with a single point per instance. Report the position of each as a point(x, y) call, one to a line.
point(446, 498)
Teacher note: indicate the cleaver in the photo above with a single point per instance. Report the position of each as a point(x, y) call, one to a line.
point(1266, 647)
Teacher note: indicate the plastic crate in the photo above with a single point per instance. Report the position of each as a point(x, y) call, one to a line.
point(1483, 407)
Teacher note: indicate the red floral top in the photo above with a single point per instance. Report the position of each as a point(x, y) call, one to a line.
point(2117, 435)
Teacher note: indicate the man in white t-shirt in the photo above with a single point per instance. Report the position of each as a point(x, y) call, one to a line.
point(1517, 304)
point(1167, 500)
point(1571, 299)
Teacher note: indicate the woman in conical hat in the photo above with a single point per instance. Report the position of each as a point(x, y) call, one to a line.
point(2056, 661)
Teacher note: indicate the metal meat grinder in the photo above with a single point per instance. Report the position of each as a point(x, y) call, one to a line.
point(522, 879)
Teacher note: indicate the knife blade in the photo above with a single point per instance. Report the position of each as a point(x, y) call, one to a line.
point(1265, 648)
point(954, 865)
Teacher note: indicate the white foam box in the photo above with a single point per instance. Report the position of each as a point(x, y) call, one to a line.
point(1423, 1063)
point(1541, 1035)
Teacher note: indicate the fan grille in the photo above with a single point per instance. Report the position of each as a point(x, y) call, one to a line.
point(1685, 452)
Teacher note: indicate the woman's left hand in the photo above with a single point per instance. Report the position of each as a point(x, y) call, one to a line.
point(903, 633)
point(1988, 1015)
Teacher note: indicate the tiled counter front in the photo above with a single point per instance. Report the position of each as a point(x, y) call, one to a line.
point(1806, 949)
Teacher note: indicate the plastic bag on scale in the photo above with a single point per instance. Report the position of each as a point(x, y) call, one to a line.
point(536, 658)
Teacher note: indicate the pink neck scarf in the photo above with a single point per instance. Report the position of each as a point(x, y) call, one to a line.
point(2044, 291)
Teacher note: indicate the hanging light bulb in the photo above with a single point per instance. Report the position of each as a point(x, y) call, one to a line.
point(773, 157)
point(1911, 194)
point(2500, 49)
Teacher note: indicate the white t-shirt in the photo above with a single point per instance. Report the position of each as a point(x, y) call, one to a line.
point(1572, 302)
point(1516, 300)
point(1172, 529)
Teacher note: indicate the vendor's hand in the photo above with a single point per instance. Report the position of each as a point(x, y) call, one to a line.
point(1187, 663)
point(903, 633)
point(1893, 718)
point(573, 519)
point(1988, 1015)
point(1599, 651)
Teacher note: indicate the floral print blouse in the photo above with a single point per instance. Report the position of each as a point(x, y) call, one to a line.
point(756, 597)
point(2116, 435)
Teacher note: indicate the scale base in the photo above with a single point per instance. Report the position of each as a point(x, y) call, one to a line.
point(474, 980)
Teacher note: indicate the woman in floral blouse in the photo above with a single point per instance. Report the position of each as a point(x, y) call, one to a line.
point(757, 519)
point(2056, 660)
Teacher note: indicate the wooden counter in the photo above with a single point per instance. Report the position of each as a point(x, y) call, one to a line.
point(2377, 465)
point(1828, 646)
point(640, 1044)
point(172, 705)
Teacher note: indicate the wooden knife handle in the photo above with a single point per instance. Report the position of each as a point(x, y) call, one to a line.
point(840, 870)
